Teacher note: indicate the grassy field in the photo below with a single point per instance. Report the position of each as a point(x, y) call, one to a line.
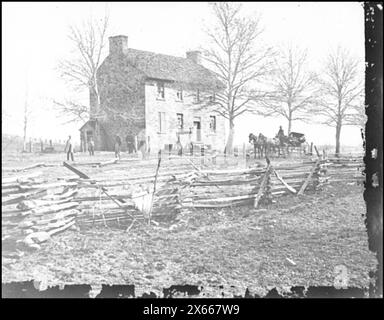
point(294, 242)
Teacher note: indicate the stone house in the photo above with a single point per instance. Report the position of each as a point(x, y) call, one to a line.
point(154, 100)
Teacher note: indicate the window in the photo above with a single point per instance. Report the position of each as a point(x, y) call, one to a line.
point(161, 122)
point(180, 121)
point(212, 123)
point(197, 98)
point(179, 94)
point(160, 90)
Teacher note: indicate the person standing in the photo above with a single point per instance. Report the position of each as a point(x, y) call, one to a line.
point(117, 147)
point(281, 135)
point(91, 147)
point(69, 149)
point(179, 147)
point(281, 132)
point(142, 147)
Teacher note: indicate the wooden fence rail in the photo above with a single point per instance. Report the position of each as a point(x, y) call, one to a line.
point(34, 207)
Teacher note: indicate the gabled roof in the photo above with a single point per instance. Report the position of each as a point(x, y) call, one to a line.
point(176, 69)
point(90, 122)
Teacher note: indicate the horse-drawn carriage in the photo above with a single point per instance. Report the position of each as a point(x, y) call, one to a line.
point(296, 139)
point(281, 144)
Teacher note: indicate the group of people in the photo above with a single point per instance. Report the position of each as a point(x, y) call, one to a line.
point(143, 146)
point(117, 147)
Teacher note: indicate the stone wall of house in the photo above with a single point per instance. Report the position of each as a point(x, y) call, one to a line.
point(130, 106)
point(121, 90)
point(170, 106)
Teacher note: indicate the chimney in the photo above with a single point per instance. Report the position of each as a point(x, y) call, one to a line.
point(118, 44)
point(195, 56)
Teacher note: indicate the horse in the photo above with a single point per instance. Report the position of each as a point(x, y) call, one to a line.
point(269, 146)
point(257, 146)
point(263, 145)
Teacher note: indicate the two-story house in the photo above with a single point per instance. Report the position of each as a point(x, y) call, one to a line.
point(156, 98)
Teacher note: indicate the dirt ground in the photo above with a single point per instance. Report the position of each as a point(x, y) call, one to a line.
point(297, 241)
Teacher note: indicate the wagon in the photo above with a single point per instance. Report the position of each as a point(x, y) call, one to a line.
point(296, 139)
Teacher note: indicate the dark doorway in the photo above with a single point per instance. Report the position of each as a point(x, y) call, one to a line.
point(131, 146)
point(89, 136)
point(197, 127)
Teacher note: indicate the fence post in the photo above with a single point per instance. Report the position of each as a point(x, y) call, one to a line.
point(322, 175)
point(263, 186)
point(314, 172)
point(316, 175)
point(267, 198)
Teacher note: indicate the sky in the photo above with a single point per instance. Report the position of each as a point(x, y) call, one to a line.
point(34, 40)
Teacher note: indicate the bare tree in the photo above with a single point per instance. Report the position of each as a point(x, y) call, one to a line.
point(357, 116)
point(88, 41)
point(293, 87)
point(73, 111)
point(237, 62)
point(341, 88)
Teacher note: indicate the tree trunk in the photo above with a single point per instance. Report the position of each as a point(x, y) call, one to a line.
point(289, 117)
point(289, 125)
point(338, 131)
point(93, 102)
point(229, 145)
